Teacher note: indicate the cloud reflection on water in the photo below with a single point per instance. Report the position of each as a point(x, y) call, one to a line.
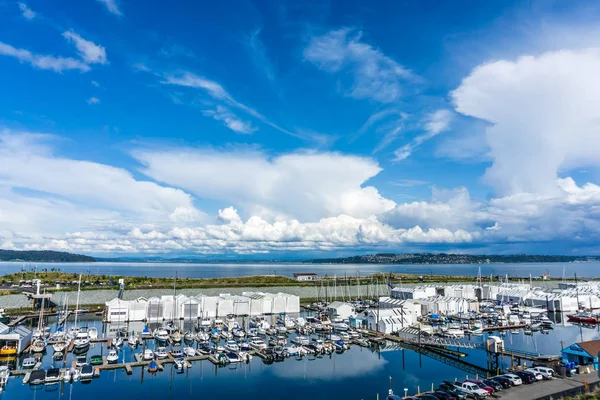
point(356, 362)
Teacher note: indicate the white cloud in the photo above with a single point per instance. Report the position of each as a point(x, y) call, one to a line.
point(218, 92)
point(433, 124)
point(375, 76)
point(95, 84)
point(93, 100)
point(543, 116)
point(30, 162)
point(90, 52)
point(259, 55)
point(302, 185)
point(56, 64)
point(27, 12)
point(448, 209)
point(230, 120)
point(112, 7)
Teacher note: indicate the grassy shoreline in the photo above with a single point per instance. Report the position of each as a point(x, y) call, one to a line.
point(57, 281)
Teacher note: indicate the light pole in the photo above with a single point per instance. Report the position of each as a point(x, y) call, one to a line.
point(405, 392)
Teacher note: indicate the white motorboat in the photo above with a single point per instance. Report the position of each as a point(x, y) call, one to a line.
point(226, 335)
point(52, 376)
point(112, 357)
point(239, 333)
point(180, 364)
point(258, 344)
point(161, 334)
point(29, 362)
point(81, 340)
point(4, 375)
point(188, 337)
point(71, 375)
point(301, 340)
point(281, 329)
point(231, 345)
point(93, 333)
point(148, 355)
point(176, 353)
point(189, 351)
point(80, 361)
point(87, 372)
point(233, 357)
point(161, 352)
point(244, 356)
point(202, 337)
point(340, 326)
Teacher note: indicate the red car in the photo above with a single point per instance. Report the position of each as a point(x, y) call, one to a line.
point(482, 385)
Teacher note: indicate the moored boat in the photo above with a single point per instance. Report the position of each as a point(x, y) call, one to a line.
point(583, 317)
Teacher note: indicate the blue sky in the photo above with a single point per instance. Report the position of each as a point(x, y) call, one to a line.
point(292, 128)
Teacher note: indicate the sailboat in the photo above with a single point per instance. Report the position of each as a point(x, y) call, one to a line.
point(40, 333)
point(82, 339)
point(38, 346)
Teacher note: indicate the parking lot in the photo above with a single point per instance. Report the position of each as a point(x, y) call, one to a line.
point(545, 389)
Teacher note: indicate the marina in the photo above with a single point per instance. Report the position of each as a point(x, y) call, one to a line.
point(450, 327)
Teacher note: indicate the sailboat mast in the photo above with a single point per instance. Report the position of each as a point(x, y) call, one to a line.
point(77, 304)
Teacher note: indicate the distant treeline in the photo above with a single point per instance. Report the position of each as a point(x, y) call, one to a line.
point(443, 258)
point(43, 256)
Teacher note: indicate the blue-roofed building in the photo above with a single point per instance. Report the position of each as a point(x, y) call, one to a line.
point(583, 353)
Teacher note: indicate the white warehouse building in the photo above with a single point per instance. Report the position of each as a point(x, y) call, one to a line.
point(166, 308)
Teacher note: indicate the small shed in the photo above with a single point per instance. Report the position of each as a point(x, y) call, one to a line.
point(20, 337)
point(305, 276)
point(582, 353)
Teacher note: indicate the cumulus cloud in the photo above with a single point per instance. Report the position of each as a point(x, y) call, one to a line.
point(542, 114)
point(302, 185)
point(27, 12)
point(53, 63)
point(90, 52)
point(255, 235)
point(375, 76)
point(112, 7)
point(30, 162)
point(93, 100)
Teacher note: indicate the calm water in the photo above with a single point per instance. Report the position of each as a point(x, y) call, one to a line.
point(359, 373)
point(582, 269)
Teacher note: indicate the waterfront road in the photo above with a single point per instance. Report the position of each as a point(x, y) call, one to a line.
point(549, 389)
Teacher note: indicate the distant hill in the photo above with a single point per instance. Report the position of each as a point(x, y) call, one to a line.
point(442, 258)
point(43, 256)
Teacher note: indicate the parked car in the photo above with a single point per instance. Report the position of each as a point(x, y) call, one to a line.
point(441, 395)
point(497, 386)
point(514, 379)
point(482, 385)
point(427, 397)
point(474, 391)
point(526, 377)
point(504, 381)
point(536, 373)
point(547, 373)
point(454, 390)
